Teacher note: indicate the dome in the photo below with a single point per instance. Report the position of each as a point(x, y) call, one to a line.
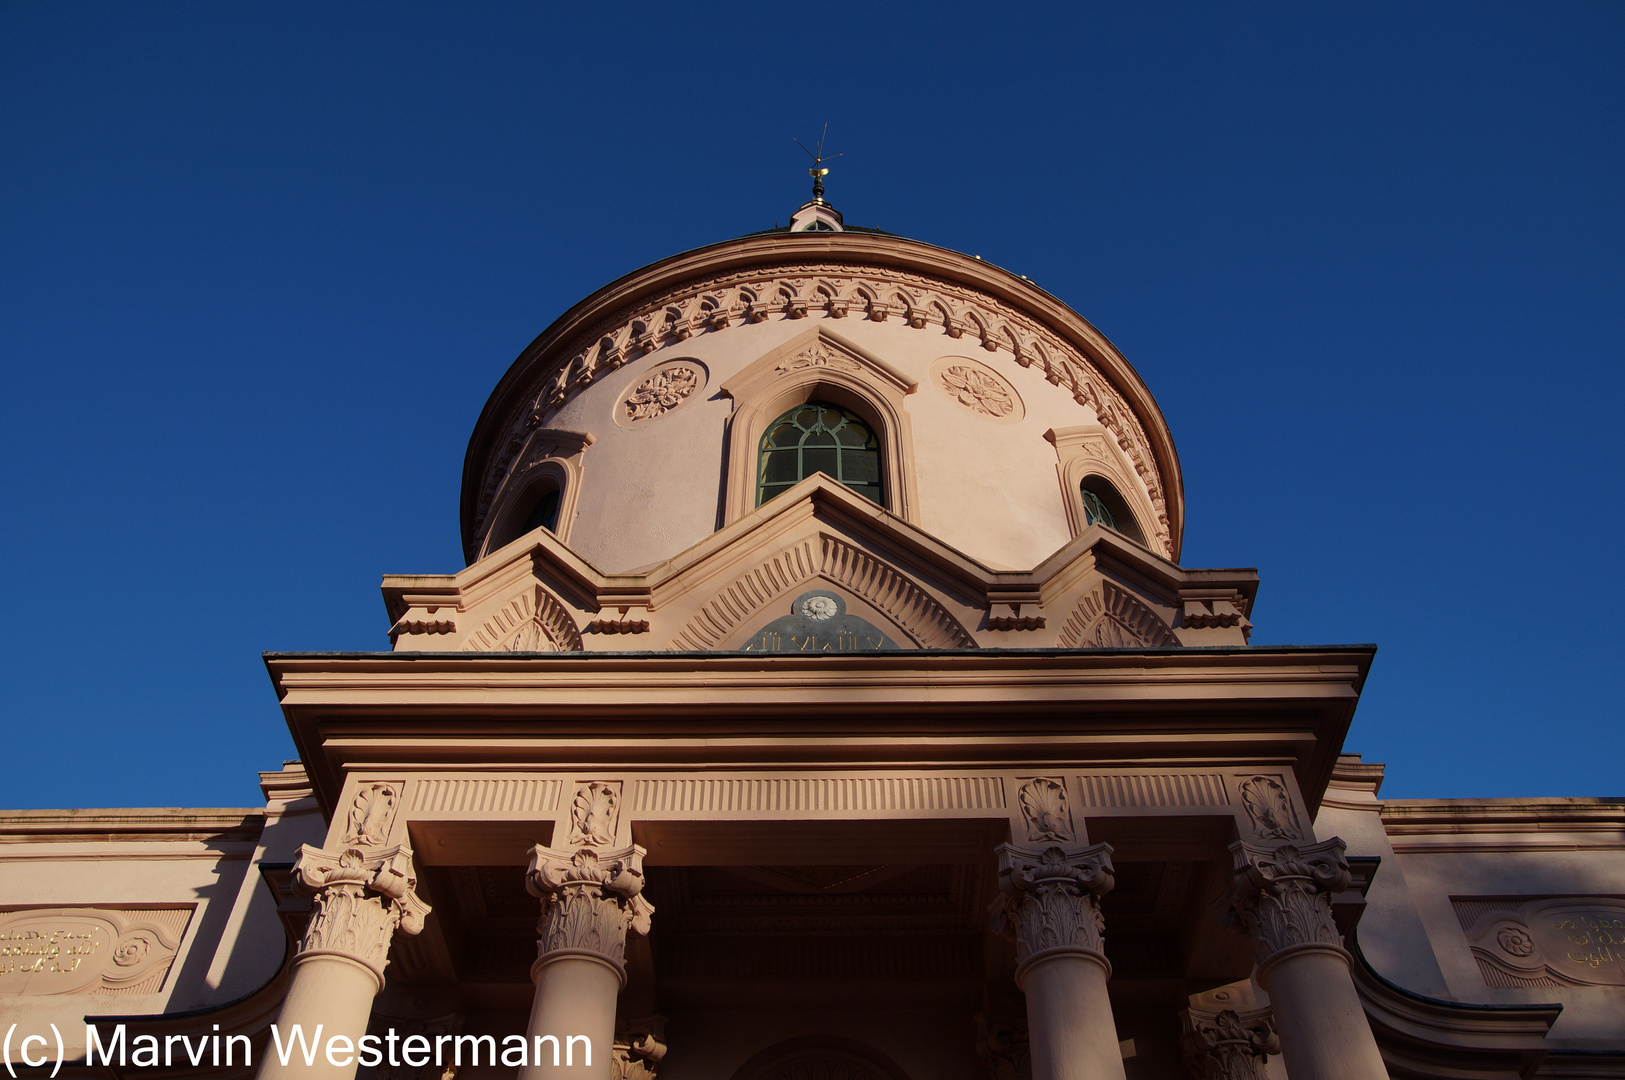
point(994, 417)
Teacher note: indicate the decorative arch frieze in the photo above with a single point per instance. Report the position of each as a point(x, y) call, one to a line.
point(743, 596)
point(533, 621)
point(1112, 617)
point(913, 609)
point(822, 291)
point(910, 606)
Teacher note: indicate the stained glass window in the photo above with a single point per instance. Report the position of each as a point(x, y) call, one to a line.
point(818, 437)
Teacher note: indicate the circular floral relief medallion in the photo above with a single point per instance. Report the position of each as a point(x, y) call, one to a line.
point(977, 387)
point(819, 608)
point(1515, 941)
point(659, 392)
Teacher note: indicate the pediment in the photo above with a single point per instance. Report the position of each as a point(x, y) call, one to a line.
point(816, 353)
point(900, 585)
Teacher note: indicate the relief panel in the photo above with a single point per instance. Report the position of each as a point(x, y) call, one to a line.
point(86, 950)
point(1551, 942)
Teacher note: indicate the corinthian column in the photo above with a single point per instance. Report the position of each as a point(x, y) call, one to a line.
point(1228, 1045)
point(1282, 896)
point(1050, 904)
point(362, 897)
point(590, 899)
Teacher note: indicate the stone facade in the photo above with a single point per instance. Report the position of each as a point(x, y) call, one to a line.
point(962, 777)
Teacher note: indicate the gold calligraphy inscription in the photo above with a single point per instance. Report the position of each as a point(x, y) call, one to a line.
point(770, 641)
point(59, 950)
point(1601, 938)
point(53, 955)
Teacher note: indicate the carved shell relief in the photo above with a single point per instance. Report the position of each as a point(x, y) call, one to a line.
point(977, 387)
point(823, 290)
point(666, 388)
point(1045, 809)
point(1269, 808)
point(595, 813)
point(371, 814)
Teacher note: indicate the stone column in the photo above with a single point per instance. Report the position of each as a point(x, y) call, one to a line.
point(362, 897)
point(1050, 904)
point(1228, 1045)
point(1281, 895)
point(590, 899)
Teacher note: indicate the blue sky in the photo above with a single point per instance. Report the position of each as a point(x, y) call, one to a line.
point(260, 266)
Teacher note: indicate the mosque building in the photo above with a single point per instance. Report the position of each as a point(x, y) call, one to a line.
point(823, 698)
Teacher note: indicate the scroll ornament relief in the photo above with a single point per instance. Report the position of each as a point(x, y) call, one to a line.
point(595, 813)
point(361, 899)
point(1050, 899)
point(372, 813)
point(590, 900)
point(1282, 895)
point(1044, 806)
point(798, 291)
point(661, 392)
point(1228, 1045)
point(638, 1050)
point(978, 391)
point(1269, 807)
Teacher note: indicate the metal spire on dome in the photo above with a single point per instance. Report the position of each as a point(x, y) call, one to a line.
point(817, 215)
point(819, 170)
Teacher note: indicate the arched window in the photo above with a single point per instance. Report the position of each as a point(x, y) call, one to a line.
point(544, 515)
point(818, 437)
point(1102, 505)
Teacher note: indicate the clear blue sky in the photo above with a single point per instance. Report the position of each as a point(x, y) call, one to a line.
point(260, 265)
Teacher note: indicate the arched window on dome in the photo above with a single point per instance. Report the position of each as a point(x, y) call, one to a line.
point(1102, 505)
point(818, 437)
point(537, 509)
point(545, 514)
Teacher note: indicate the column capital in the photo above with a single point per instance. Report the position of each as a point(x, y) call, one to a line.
point(590, 899)
point(362, 896)
point(1049, 901)
point(1228, 1045)
point(1281, 895)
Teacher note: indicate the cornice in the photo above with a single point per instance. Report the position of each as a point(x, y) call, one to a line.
point(1444, 817)
point(608, 326)
point(148, 825)
point(908, 707)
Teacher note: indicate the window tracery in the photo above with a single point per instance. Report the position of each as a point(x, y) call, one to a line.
point(818, 437)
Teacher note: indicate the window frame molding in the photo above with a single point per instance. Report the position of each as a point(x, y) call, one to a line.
point(1091, 450)
point(552, 457)
point(848, 376)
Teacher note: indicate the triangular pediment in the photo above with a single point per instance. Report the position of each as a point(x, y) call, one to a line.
point(909, 589)
point(817, 351)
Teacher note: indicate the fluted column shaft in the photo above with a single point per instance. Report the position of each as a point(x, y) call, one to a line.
point(361, 898)
point(590, 899)
point(1050, 905)
point(1282, 896)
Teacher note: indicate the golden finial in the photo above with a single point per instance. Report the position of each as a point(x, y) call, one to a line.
point(819, 170)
